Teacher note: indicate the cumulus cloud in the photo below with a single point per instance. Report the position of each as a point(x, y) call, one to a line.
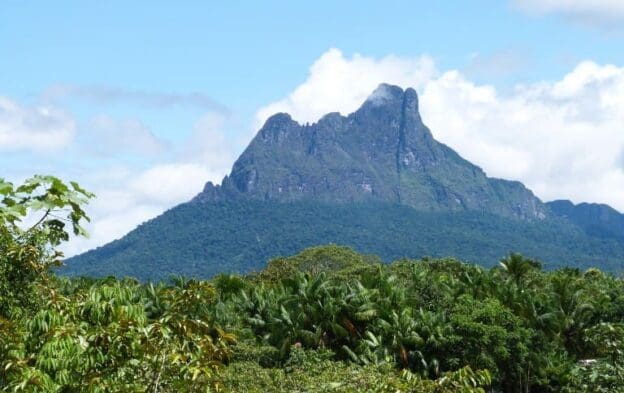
point(600, 12)
point(105, 135)
point(563, 139)
point(108, 94)
point(36, 128)
point(168, 184)
point(338, 84)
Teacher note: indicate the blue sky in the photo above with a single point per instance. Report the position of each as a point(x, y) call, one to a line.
point(229, 49)
point(141, 98)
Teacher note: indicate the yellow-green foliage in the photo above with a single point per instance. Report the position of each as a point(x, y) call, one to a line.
point(335, 260)
point(84, 336)
point(315, 372)
point(116, 337)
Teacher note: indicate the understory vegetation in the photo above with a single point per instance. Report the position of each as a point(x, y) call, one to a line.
point(326, 320)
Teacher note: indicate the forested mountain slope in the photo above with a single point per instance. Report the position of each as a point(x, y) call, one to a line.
point(240, 236)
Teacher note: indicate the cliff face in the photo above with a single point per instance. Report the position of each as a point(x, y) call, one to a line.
point(381, 152)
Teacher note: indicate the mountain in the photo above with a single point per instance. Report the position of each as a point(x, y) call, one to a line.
point(376, 180)
point(382, 152)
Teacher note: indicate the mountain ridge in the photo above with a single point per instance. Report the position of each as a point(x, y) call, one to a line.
point(596, 219)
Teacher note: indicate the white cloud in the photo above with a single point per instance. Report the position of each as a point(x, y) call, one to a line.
point(589, 11)
point(563, 139)
point(109, 94)
point(169, 184)
point(40, 128)
point(108, 136)
point(209, 145)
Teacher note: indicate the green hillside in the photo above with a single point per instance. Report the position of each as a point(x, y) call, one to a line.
point(203, 239)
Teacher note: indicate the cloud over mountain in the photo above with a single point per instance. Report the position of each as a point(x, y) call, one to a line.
point(563, 138)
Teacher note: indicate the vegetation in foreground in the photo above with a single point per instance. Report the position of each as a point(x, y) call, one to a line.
point(328, 319)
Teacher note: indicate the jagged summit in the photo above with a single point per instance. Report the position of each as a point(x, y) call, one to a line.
point(386, 100)
point(390, 95)
point(382, 152)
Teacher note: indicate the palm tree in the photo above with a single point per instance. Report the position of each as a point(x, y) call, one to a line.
point(517, 268)
point(573, 310)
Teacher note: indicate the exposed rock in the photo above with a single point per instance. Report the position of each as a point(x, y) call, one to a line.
point(381, 152)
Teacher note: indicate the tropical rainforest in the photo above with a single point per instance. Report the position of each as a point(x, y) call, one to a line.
point(328, 319)
point(204, 239)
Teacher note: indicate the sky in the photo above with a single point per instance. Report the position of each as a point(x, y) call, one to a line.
point(143, 102)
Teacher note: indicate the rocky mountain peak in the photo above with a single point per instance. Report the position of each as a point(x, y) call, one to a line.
point(276, 127)
point(390, 102)
point(381, 152)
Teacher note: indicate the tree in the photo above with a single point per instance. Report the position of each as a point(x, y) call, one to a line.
point(489, 336)
point(605, 372)
point(33, 221)
point(110, 335)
